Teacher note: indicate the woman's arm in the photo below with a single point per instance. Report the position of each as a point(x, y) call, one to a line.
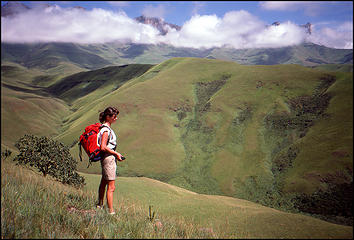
point(106, 149)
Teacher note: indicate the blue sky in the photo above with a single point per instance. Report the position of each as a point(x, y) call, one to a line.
point(178, 12)
point(332, 21)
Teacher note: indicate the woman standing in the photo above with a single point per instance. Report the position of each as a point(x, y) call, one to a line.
point(108, 142)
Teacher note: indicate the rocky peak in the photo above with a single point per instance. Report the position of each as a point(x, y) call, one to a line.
point(12, 8)
point(79, 8)
point(157, 23)
point(307, 26)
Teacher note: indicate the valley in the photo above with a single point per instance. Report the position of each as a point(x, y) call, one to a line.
point(262, 133)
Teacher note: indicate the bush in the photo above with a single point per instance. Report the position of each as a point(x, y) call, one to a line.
point(49, 157)
point(334, 204)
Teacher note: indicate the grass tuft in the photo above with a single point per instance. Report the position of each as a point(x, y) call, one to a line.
point(35, 207)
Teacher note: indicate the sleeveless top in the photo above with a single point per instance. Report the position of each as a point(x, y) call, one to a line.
point(112, 138)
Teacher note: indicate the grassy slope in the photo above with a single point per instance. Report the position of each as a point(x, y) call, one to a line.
point(335, 67)
point(199, 124)
point(81, 85)
point(49, 59)
point(235, 217)
point(252, 157)
point(25, 97)
point(160, 144)
point(48, 55)
point(320, 156)
point(35, 111)
point(127, 103)
point(42, 208)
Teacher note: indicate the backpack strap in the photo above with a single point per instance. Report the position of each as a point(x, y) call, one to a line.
point(80, 155)
point(80, 151)
point(109, 134)
point(94, 154)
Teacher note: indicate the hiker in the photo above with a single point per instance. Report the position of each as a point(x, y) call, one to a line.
point(108, 142)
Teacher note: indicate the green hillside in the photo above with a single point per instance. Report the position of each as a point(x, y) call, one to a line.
point(38, 110)
point(106, 79)
point(236, 218)
point(26, 107)
point(217, 127)
point(335, 67)
point(49, 55)
point(43, 208)
point(260, 133)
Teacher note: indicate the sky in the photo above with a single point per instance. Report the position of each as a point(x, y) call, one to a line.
point(205, 24)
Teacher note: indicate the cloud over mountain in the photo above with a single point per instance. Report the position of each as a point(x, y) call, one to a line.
point(341, 37)
point(74, 25)
point(237, 29)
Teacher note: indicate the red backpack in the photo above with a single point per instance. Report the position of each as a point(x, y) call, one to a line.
point(88, 140)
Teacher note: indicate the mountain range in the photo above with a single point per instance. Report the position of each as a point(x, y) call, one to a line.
point(48, 56)
point(75, 57)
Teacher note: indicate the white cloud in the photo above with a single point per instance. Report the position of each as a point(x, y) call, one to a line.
point(237, 29)
point(75, 25)
point(339, 37)
point(280, 36)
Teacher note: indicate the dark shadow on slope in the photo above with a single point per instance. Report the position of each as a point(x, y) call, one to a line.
point(38, 91)
point(134, 50)
point(78, 85)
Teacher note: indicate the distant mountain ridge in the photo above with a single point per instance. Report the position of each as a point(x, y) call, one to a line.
point(48, 56)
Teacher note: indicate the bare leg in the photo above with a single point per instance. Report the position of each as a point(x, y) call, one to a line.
point(101, 191)
point(110, 190)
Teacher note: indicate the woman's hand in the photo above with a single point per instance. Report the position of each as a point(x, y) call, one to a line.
point(119, 156)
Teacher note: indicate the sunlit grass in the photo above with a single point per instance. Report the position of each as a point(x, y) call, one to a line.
point(229, 152)
point(36, 207)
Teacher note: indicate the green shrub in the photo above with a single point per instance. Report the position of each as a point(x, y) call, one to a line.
point(49, 157)
point(334, 204)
